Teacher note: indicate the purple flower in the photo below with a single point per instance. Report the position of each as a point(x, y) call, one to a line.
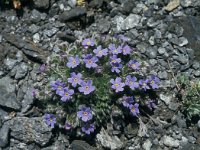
point(134, 109)
point(50, 120)
point(88, 42)
point(86, 87)
point(144, 84)
point(66, 94)
point(57, 86)
point(126, 50)
point(90, 61)
point(131, 82)
point(114, 59)
point(85, 114)
point(73, 62)
point(151, 104)
point(127, 100)
point(134, 64)
point(123, 38)
point(34, 92)
point(42, 68)
point(154, 81)
point(115, 50)
point(116, 67)
point(117, 84)
point(75, 79)
point(100, 52)
point(88, 128)
point(67, 126)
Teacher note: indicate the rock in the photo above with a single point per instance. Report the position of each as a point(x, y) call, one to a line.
point(173, 4)
point(196, 65)
point(182, 41)
point(162, 75)
point(103, 26)
point(111, 142)
point(161, 50)
point(21, 70)
point(173, 106)
point(166, 98)
point(29, 130)
point(198, 124)
point(128, 6)
point(66, 37)
point(36, 16)
point(147, 145)
point(72, 14)
point(7, 94)
point(33, 28)
point(28, 47)
point(36, 38)
point(186, 3)
point(81, 145)
point(191, 139)
point(10, 63)
point(170, 142)
point(1, 38)
point(51, 32)
point(44, 4)
point(130, 22)
point(151, 52)
point(4, 134)
point(72, 3)
point(96, 3)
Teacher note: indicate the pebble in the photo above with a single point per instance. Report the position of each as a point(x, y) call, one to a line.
point(147, 145)
point(130, 22)
point(162, 74)
point(173, 4)
point(36, 38)
point(198, 124)
point(170, 142)
point(166, 98)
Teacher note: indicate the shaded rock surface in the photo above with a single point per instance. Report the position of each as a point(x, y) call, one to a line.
point(30, 130)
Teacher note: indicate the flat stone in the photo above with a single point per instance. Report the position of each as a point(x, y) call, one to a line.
point(29, 130)
point(44, 4)
point(147, 145)
point(166, 98)
point(81, 145)
point(4, 134)
point(170, 142)
point(7, 94)
point(72, 14)
point(107, 141)
point(131, 21)
point(173, 4)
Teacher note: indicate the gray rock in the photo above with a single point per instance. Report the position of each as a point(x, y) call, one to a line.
point(147, 145)
point(21, 70)
point(173, 106)
point(198, 124)
point(10, 63)
point(142, 47)
point(161, 50)
point(81, 145)
point(196, 65)
point(51, 32)
point(7, 94)
point(127, 6)
point(152, 40)
point(153, 62)
point(170, 142)
point(30, 130)
point(197, 73)
point(1, 38)
point(182, 59)
point(152, 23)
point(72, 3)
point(33, 28)
point(103, 26)
point(72, 14)
point(151, 52)
point(191, 139)
point(111, 142)
point(44, 4)
point(131, 21)
point(4, 133)
point(162, 74)
point(186, 3)
point(182, 41)
point(166, 98)
point(28, 100)
point(36, 38)
point(96, 3)
point(36, 16)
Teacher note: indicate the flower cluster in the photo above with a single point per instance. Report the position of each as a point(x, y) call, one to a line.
point(95, 74)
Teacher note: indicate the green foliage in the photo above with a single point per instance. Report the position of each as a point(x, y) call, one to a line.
point(190, 95)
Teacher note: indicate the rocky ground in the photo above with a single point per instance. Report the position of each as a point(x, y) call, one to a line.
point(166, 33)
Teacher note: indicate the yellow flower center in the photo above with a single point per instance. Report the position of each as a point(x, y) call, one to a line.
point(131, 83)
point(133, 65)
point(87, 88)
point(144, 84)
point(100, 52)
point(133, 109)
point(89, 61)
point(85, 113)
point(88, 43)
point(74, 62)
point(116, 85)
point(115, 50)
point(75, 79)
point(51, 120)
point(59, 87)
point(66, 94)
point(152, 82)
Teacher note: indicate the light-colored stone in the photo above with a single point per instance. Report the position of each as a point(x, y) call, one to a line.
point(170, 142)
point(173, 4)
point(147, 145)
